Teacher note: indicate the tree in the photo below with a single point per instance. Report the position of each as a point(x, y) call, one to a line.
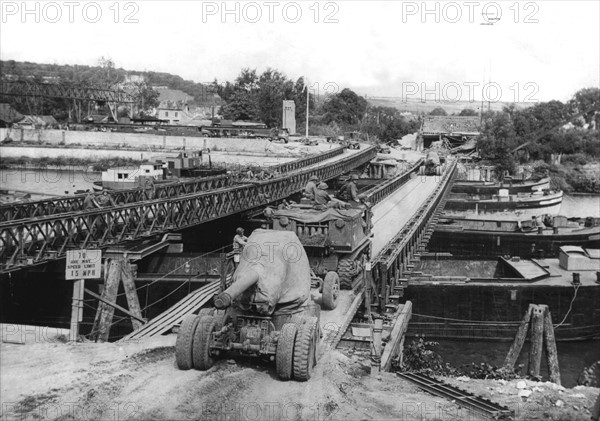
point(345, 107)
point(468, 112)
point(145, 97)
point(586, 102)
point(438, 111)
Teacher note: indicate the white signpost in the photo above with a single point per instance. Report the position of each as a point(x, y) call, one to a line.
point(81, 265)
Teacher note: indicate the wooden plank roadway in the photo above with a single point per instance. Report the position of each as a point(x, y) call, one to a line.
point(392, 214)
point(175, 314)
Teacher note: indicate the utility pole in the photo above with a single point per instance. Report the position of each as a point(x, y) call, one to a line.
point(307, 106)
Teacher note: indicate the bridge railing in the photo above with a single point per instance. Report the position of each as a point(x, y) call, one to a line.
point(58, 205)
point(381, 191)
point(35, 240)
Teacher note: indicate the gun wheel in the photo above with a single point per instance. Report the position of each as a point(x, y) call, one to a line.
point(185, 341)
point(305, 349)
point(284, 356)
point(202, 339)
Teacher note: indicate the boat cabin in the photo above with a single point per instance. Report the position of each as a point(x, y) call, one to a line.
point(130, 177)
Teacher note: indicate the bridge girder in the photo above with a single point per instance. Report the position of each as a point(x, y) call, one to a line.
point(54, 206)
point(63, 90)
point(35, 240)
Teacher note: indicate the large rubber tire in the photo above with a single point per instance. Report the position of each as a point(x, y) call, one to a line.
point(284, 357)
point(201, 348)
point(305, 349)
point(331, 290)
point(185, 341)
point(346, 273)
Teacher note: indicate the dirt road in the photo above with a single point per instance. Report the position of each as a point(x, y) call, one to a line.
point(139, 380)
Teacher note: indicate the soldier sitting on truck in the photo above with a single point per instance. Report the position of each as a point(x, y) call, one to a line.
point(321, 195)
point(310, 190)
point(349, 192)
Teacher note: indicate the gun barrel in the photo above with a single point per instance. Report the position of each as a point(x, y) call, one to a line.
point(244, 281)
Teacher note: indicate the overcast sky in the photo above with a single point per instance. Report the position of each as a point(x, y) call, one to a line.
point(538, 50)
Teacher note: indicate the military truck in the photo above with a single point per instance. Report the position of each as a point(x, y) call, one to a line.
point(432, 164)
point(337, 241)
point(266, 311)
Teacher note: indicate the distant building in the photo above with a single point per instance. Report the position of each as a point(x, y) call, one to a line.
point(456, 130)
point(38, 122)
point(172, 115)
point(289, 116)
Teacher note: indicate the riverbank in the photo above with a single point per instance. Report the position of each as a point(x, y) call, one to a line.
point(139, 380)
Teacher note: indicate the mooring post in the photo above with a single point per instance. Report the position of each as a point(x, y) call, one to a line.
point(133, 301)
point(537, 335)
point(596, 410)
point(550, 343)
point(376, 349)
point(105, 312)
point(517, 345)
point(76, 309)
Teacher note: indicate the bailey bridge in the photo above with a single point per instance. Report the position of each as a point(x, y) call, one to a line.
point(33, 233)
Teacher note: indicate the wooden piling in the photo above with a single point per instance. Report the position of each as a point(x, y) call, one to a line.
point(550, 344)
point(537, 336)
point(517, 345)
point(105, 312)
point(133, 301)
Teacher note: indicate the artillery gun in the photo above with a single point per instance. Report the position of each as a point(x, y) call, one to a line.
point(337, 242)
point(266, 311)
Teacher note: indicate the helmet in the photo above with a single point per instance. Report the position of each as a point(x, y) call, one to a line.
point(314, 177)
point(355, 176)
point(239, 231)
point(323, 186)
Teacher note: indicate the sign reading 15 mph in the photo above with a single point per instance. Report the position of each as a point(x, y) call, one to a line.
point(83, 264)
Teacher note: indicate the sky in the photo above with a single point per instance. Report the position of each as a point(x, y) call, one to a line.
point(505, 50)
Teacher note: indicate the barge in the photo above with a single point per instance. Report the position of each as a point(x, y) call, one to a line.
point(512, 186)
point(541, 237)
point(482, 299)
point(503, 206)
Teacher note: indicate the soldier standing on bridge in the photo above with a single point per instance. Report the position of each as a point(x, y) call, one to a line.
point(106, 200)
point(90, 202)
point(239, 241)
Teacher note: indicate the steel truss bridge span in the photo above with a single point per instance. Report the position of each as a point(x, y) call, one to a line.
point(63, 90)
point(58, 205)
point(38, 240)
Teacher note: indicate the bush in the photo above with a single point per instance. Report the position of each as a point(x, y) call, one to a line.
point(419, 356)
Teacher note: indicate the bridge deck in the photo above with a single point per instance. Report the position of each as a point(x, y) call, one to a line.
point(390, 215)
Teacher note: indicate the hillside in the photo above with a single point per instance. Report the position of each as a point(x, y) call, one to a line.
point(96, 74)
point(416, 106)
